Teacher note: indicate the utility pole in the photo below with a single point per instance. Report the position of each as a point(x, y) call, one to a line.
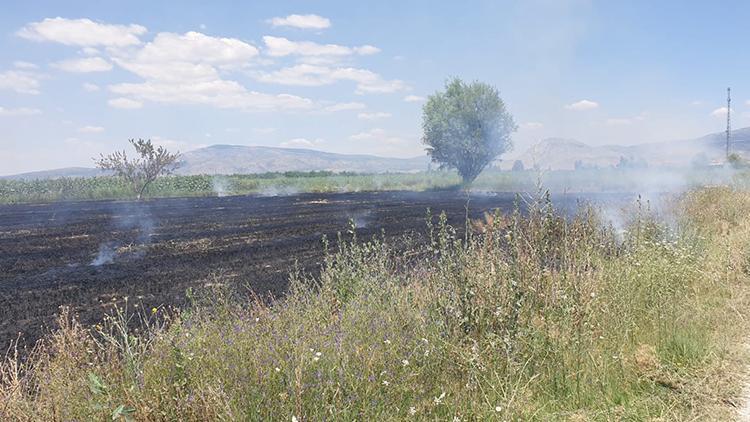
point(729, 119)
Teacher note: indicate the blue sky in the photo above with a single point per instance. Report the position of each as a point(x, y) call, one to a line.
point(79, 78)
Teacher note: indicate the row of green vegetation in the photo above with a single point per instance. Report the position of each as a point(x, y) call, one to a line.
point(588, 180)
point(531, 317)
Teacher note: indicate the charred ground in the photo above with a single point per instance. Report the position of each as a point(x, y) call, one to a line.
point(91, 255)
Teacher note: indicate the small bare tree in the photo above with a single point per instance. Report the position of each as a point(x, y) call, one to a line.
point(144, 169)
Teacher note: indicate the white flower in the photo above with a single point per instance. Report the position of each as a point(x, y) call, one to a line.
point(318, 354)
point(386, 341)
point(438, 400)
point(277, 369)
point(412, 410)
point(405, 362)
point(294, 419)
point(498, 409)
point(386, 383)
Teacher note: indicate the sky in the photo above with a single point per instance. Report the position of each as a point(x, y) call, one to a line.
point(79, 78)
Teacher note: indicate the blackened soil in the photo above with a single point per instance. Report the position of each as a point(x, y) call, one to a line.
point(153, 251)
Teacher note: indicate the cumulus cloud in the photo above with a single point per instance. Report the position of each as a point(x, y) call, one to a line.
point(20, 82)
point(91, 129)
point(313, 75)
point(82, 33)
point(125, 103)
point(89, 87)
point(184, 69)
point(302, 143)
point(414, 99)
point(281, 47)
point(373, 116)
point(20, 64)
point(15, 112)
point(377, 135)
point(345, 107)
point(721, 112)
point(89, 64)
point(582, 105)
point(302, 22)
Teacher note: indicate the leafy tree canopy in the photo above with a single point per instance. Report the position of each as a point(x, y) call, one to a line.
point(466, 127)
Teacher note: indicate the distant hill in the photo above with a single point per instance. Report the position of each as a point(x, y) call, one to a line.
point(58, 173)
point(236, 159)
point(559, 154)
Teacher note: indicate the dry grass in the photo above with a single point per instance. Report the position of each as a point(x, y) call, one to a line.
point(531, 318)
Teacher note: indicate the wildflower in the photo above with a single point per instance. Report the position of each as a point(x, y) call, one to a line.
point(405, 362)
point(456, 419)
point(277, 369)
point(498, 409)
point(318, 354)
point(412, 410)
point(386, 383)
point(386, 341)
point(439, 400)
point(294, 419)
point(153, 310)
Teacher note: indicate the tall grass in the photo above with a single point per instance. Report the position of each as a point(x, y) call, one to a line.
point(532, 317)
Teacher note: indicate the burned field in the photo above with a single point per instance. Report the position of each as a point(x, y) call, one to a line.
point(91, 255)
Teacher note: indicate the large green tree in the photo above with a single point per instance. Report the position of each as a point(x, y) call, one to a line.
point(466, 127)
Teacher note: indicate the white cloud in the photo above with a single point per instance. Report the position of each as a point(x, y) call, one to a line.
point(86, 65)
point(184, 69)
point(89, 87)
point(582, 105)
point(217, 93)
point(345, 107)
point(90, 51)
point(125, 103)
point(91, 129)
point(302, 21)
point(281, 47)
point(373, 116)
point(19, 64)
point(302, 143)
point(23, 111)
point(176, 144)
point(377, 135)
point(721, 112)
point(82, 32)
point(531, 125)
point(414, 99)
point(21, 82)
point(195, 47)
point(312, 75)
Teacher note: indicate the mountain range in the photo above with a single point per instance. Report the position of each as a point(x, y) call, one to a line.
point(236, 159)
point(562, 154)
point(551, 153)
